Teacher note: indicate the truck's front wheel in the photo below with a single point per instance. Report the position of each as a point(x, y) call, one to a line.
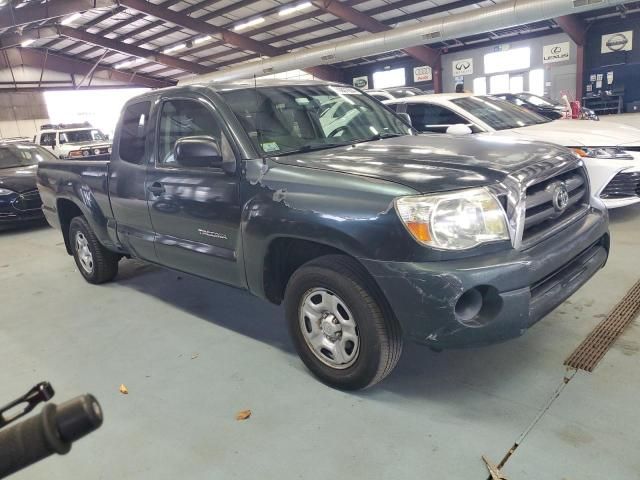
point(340, 325)
point(96, 263)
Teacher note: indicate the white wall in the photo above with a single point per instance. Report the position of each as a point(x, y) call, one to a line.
point(21, 114)
point(561, 76)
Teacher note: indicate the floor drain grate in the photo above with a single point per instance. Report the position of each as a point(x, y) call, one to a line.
point(599, 341)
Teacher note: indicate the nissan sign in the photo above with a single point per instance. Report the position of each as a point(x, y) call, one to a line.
point(558, 52)
point(617, 42)
point(462, 67)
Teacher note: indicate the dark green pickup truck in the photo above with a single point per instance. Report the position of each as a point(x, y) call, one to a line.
point(316, 195)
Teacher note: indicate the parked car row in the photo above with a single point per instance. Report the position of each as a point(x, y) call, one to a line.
point(611, 152)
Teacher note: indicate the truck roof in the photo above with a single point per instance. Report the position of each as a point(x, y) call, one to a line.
point(249, 83)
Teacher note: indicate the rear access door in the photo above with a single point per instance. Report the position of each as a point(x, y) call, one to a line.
point(195, 211)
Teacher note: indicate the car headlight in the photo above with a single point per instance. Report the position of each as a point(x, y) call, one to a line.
point(6, 191)
point(454, 221)
point(603, 153)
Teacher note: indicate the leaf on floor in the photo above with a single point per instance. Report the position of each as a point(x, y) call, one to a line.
point(194, 356)
point(123, 389)
point(243, 415)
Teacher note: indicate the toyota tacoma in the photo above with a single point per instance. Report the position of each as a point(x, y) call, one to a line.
point(368, 233)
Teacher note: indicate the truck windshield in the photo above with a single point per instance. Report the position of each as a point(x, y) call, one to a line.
point(499, 114)
point(88, 135)
point(12, 156)
point(282, 120)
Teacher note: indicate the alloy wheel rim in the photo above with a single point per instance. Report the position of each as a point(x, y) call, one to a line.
point(84, 254)
point(329, 329)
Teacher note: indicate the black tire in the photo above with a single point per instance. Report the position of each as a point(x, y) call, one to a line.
point(378, 331)
point(104, 263)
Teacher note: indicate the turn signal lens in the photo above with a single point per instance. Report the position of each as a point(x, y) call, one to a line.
point(420, 231)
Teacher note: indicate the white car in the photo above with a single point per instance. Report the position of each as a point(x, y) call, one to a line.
point(610, 152)
point(74, 141)
point(394, 92)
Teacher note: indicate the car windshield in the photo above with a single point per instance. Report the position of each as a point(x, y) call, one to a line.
point(16, 155)
point(88, 135)
point(282, 120)
point(537, 101)
point(499, 114)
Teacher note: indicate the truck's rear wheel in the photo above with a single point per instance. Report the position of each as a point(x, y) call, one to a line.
point(340, 324)
point(96, 263)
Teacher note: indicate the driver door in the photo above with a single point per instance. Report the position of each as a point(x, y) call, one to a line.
point(195, 211)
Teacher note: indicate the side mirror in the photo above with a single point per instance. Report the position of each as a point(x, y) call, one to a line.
point(459, 129)
point(197, 152)
point(405, 117)
point(53, 144)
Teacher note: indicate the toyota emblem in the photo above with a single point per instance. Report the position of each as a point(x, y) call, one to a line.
point(560, 198)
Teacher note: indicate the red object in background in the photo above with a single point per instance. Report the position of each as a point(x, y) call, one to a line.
point(575, 109)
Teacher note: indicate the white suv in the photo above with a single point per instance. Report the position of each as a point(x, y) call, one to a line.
point(78, 141)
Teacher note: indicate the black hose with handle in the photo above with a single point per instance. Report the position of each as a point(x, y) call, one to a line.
point(53, 430)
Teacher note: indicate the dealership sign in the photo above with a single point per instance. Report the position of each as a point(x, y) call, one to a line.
point(558, 52)
point(463, 67)
point(422, 74)
point(617, 42)
point(361, 82)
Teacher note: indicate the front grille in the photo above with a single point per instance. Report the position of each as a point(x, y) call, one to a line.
point(542, 215)
point(623, 185)
point(28, 201)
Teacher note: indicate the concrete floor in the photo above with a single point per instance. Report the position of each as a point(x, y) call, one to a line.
point(193, 353)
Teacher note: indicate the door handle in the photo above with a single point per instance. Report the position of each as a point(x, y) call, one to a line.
point(156, 188)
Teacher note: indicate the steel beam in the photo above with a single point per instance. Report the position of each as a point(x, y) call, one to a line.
point(575, 27)
point(15, 17)
point(35, 58)
point(15, 39)
point(229, 37)
point(127, 49)
point(427, 55)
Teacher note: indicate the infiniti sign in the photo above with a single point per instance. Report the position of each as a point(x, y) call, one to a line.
point(462, 67)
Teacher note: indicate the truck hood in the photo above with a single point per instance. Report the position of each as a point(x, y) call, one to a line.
point(18, 179)
point(579, 133)
point(431, 163)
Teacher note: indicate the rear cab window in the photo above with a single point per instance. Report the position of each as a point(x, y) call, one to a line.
point(134, 129)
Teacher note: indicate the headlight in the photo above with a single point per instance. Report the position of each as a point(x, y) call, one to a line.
point(5, 191)
point(604, 153)
point(454, 221)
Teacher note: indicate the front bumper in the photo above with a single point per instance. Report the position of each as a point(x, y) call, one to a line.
point(18, 209)
point(518, 288)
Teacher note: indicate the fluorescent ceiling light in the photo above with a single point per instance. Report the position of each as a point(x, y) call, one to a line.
point(294, 8)
point(27, 42)
point(200, 40)
point(70, 19)
point(125, 64)
point(250, 23)
point(175, 48)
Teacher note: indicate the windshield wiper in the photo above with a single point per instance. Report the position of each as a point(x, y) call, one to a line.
point(313, 148)
point(379, 136)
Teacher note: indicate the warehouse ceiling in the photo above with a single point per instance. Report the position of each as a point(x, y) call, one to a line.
point(156, 43)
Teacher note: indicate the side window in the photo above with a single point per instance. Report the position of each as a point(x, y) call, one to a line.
point(133, 132)
point(186, 118)
point(47, 139)
point(432, 118)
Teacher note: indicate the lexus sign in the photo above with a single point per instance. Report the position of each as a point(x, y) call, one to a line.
point(617, 42)
point(463, 67)
point(558, 52)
